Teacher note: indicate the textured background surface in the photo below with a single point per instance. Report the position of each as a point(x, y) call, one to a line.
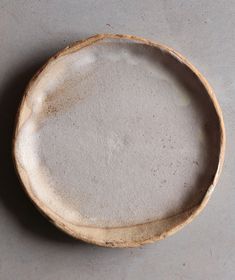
point(30, 32)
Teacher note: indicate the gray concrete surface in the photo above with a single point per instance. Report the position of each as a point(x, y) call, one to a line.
point(30, 32)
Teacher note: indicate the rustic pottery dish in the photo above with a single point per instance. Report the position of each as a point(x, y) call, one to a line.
point(119, 141)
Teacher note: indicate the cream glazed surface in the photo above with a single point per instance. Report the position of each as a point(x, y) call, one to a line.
point(118, 133)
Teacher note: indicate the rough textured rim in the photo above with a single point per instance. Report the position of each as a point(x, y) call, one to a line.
point(140, 234)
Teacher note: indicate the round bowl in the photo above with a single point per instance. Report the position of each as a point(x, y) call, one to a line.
point(119, 140)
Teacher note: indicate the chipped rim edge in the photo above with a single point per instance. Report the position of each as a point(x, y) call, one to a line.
point(193, 212)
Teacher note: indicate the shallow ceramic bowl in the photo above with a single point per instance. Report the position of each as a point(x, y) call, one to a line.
point(119, 140)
